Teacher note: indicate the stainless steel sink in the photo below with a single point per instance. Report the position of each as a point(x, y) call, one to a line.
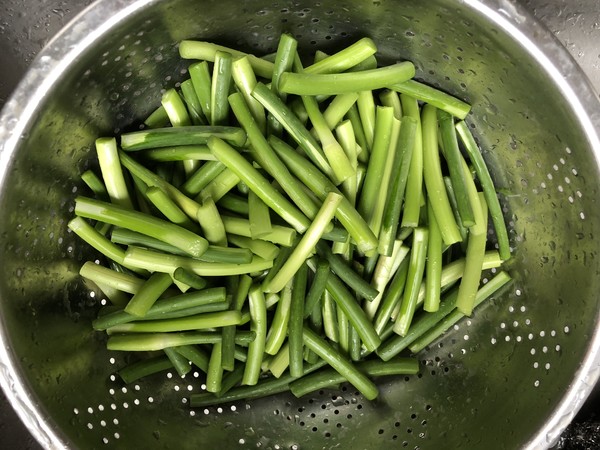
point(25, 27)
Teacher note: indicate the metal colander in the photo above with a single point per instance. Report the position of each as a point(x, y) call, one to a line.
point(512, 376)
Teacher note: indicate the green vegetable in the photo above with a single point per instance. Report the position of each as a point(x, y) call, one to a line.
point(269, 160)
point(192, 103)
point(279, 325)
point(295, 340)
point(140, 342)
point(143, 368)
point(112, 174)
point(258, 324)
point(153, 288)
point(341, 83)
point(400, 168)
point(202, 83)
point(414, 182)
point(292, 125)
point(184, 135)
point(159, 229)
point(221, 82)
point(488, 188)
point(486, 291)
point(196, 322)
point(434, 97)
point(175, 109)
point(320, 185)
point(207, 51)
point(245, 80)
point(165, 307)
point(258, 184)
point(180, 364)
point(343, 366)
point(434, 183)
point(277, 219)
point(317, 287)
point(163, 262)
point(458, 175)
point(344, 59)
point(306, 244)
point(325, 378)
point(414, 277)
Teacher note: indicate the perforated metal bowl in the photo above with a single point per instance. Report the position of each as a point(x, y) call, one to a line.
point(510, 377)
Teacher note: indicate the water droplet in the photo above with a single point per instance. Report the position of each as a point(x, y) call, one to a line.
point(338, 400)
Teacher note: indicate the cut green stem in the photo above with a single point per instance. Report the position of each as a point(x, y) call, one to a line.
point(144, 368)
point(214, 374)
point(474, 255)
point(258, 324)
point(263, 388)
point(112, 173)
point(180, 363)
point(268, 159)
point(327, 378)
point(434, 181)
point(336, 157)
point(345, 58)
point(317, 287)
point(284, 60)
point(347, 302)
point(455, 168)
point(416, 268)
point(196, 322)
point(489, 190)
point(320, 185)
point(341, 268)
point(179, 153)
point(163, 262)
point(151, 290)
point(210, 221)
point(201, 177)
point(245, 80)
point(279, 234)
point(200, 76)
point(341, 83)
point(258, 216)
point(486, 291)
point(259, 184)
point(279, 324)
point(207, 51)
point(395, 199)
point(193, 354)
point(169, 208)
point(111, 278)
point(193, 103)
point(143, 342)
point(164, 307)
point(433, 267)
point(342, 365)
point(295, 328)
point(293, 126)
point(306, 244)
point(159, 229)
point(414, 183)
point(188, 135)
point(176, 111)
point(221, 82)
point(433, 96)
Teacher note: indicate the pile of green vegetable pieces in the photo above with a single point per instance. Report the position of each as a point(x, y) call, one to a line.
point(283, 227)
